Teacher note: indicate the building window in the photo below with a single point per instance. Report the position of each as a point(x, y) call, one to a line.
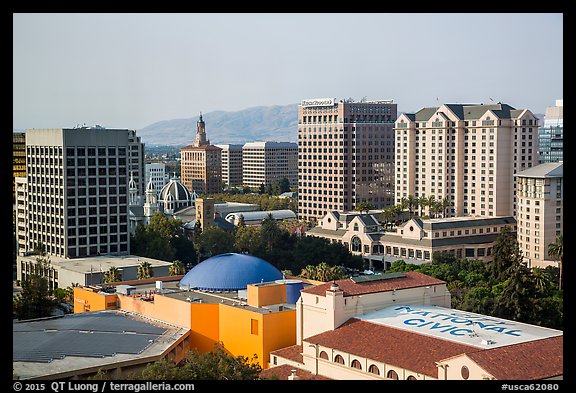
point(254, 326)
point(373, 369)
point(339, 359)
point(392, 375)
point(465, 372)
point(356, 244)
point(411, 378)
point(356, 364)
point(323, 355)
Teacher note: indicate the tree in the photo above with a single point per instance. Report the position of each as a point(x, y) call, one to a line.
point(323, 272)
point(248, 239)
point(363, 207)
point(144, 271)
point(262, 189)
point(177, 268)
point(282, 185)
point(215, 241)
point(213, 365)
point(35, 301)
point(412, 202)
point(555, 250)
point(112, 275)
point(422, 203)
point(270, 231)
point(506, 255)
point(241, 221)
point(445, 203)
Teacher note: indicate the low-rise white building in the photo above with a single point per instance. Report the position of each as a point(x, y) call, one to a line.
point(415, 240)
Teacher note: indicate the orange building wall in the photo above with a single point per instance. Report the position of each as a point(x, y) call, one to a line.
point(204, 326)
point(164, 308)
point(264, 295)
point(279, 332)
point(234, 331)
point(87, 300)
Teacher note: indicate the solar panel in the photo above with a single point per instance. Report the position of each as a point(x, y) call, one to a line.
point(377, 277)
point(86, 335)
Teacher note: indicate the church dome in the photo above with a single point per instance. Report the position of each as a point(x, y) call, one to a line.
point(174, 196)
point(230, 272)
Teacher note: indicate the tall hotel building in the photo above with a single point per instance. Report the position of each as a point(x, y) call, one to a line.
point(74, 198)
point(345, 155)
point(540, 211)
point(201, 164)
point(267, 162)
point(231, 164)
point(466, 153)
point(551, 134)
point(157, 172)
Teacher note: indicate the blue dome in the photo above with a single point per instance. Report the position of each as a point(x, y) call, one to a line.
point(229, 272)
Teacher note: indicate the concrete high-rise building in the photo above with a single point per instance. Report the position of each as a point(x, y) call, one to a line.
point(467, 153)
point(551, 134)
point(231, 164)
point(345, 155)
point(267, 162)
point(201, 164)
point(155, 172)
point(75, 194)
point(540, 211)
point(18, 159)
point(135, 159)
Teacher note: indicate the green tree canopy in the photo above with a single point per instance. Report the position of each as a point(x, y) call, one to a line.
point(213, 365)
point(215, 241)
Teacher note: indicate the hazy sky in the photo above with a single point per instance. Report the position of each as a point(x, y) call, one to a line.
point(131, 70)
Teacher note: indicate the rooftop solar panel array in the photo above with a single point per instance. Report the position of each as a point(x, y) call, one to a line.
point(85, 335)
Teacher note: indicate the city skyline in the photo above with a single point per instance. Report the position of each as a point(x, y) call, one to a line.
point(131, 70)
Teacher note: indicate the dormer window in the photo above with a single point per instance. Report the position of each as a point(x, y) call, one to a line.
point(356, 227)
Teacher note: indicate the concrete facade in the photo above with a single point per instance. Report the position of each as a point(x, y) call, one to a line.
point(345, 155)
point(231, 164)
point(267, 162)
point(466, 153)
point(540, 211)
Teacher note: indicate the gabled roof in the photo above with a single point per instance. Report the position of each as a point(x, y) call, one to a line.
point(293, 352)
point(389, 345)
point(367, 219)
point(350, 288)
point(531, 360)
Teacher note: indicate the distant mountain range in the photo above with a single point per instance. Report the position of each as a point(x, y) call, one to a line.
point(262, 123)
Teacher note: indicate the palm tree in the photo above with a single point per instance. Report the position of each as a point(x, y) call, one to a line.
point(430, 204)
point(144, 271)
point(403, 204)
point(387, 214)
point(412, 202)
point(112, 275)
point(309, 272)
point(422, 202)
point(541, 279)
point(555, 250)
point(445, 203)
point(177, 268)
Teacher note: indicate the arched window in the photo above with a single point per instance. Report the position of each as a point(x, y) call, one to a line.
point(356, 364)
point(392, 375)
point(323, 355)
point(411, 378)
point(356, 244)
point(339, 359)
point(465, 372)
point(373, 369)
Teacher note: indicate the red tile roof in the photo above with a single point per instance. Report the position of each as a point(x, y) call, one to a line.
point(350, 288)
point(537, 359)
point(389, 345)
point(292, 353)
point(282, 372)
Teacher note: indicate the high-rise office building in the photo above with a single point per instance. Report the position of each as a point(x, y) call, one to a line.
point(18, 159)
point(201, 164)
point(156, 171)
point(467, 153)
point(540, 211)
point(75, 195)
point(136, 160)
point(231, 164)
point(551, 134)
point(345, 155)
point(267, 162)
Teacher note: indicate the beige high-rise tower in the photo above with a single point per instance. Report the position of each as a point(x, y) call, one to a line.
point(467, 153)
point(201, 164)
point(345, 155)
